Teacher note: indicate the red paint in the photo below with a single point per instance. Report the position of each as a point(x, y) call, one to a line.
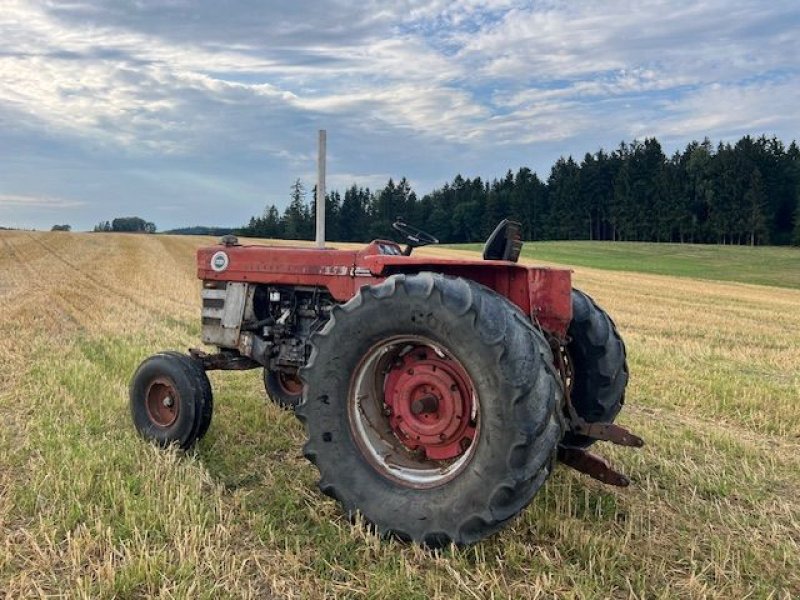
point(541, 293)
point(431, 404)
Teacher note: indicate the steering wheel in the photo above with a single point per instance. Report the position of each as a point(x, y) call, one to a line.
point(414, 237)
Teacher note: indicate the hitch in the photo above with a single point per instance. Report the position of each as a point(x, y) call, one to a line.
point(594, 466)
point(578, 458)
point(591, 464)
point(608, 432)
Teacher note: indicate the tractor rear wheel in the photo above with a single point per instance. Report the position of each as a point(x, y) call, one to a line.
point(432, 408)
point(284, 389)
point(170, 400)
point(598, 363)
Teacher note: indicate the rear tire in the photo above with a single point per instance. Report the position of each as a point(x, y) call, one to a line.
point(455, 335)
point(170, 400)
point(283, 389)
point(599, 366)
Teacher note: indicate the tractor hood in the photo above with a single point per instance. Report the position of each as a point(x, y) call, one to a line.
point(542, 293)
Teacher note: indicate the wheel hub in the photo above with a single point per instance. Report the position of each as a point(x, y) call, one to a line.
point(426, 404)
point(430, 404)
point(290, 384)
point(162, 403)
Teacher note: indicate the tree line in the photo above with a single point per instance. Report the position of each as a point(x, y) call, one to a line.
point(742, 193)
point(126, 225)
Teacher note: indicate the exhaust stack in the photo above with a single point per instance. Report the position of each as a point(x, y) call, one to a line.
point(321, 189)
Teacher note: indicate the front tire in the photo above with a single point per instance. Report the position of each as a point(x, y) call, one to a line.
point(469, 428)
point(170, 400)
point(207, 395)
point(284, 389)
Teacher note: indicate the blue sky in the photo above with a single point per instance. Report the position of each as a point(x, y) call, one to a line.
point(202, 112)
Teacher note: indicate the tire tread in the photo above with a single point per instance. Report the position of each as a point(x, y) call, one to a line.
point(501, 327)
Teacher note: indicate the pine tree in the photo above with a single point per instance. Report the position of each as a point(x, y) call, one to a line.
point(790, 174)
point(564, 191)
point(385, 209)
point(699, 187)
point(296, 214)
point(353, 215)
point(271, 224)
point(621, 221)
point(755, 201)
point(333, 208)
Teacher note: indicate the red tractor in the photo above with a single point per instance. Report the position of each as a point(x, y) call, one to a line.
point(437, 394)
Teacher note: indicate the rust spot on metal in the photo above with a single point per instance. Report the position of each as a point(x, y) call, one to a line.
point(162, 402)
point(290, 383)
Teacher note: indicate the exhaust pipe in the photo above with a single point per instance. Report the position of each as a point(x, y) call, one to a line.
point(321, 189)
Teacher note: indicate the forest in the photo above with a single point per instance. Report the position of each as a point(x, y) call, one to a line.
point(742, 193)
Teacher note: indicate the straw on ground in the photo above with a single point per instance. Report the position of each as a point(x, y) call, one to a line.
point(89, 510)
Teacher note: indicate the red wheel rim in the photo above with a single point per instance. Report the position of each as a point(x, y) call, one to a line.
point(290, 384)
point(430, 400)
point(162, 402)
point(413, 411)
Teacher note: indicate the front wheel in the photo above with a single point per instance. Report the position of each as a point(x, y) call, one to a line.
point(432, 408)
point(170, 400)
point(284, 389)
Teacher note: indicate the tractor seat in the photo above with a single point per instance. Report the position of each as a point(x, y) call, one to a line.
point(505, 243)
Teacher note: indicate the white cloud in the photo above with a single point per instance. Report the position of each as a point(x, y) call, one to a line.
point(568, 40)
point(221, 100)
point(732, 110)
point(147, 92)
point(78, 68)
point(37, 202)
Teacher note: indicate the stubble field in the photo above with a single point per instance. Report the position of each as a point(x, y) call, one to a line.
point(89, 510)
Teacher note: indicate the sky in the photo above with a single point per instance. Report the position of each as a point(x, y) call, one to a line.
point(203, 112)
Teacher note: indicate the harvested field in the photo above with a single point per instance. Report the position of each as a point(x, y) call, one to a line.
point(89, 510)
